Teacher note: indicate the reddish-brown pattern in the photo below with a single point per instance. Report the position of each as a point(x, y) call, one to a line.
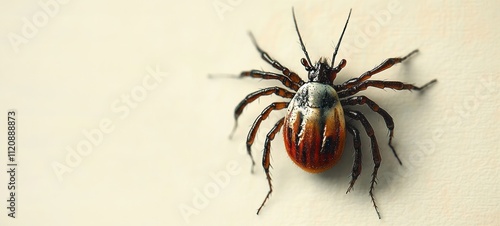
point(315, 142)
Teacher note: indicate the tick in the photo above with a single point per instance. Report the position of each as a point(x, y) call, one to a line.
point(320, 113)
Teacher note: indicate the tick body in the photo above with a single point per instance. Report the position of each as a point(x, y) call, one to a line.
point(320, 114)
point(314, 129)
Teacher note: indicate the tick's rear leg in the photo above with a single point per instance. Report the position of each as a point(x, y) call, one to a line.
point(356, 167)
point(375, 150)
point(266, 161)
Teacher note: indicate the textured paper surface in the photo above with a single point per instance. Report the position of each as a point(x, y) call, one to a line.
point(118, 123)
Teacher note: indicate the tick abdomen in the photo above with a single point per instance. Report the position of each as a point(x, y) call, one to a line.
point(314, 129)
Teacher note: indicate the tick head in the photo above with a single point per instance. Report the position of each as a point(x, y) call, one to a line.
point(322, 72)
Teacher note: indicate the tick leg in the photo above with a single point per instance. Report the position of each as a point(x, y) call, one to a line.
point(360, 100)
point(382, 85)
point(382, 67)
point(270, 75)
point(375, 150)
point(266, 162)
point(356, 167)
point(253, 130)
point(290, 74)
point(253, 96)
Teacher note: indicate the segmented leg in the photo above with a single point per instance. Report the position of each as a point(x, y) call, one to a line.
point(253, 130)
point(382, 67)
point(357, 166)
point(381, 85)
point(360, 100)
point(270, 75)
point(266, 161)
point(265, 56)
point(375, 150)
point(253, 96)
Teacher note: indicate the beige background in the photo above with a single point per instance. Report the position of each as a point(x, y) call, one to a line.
point(136, 73)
